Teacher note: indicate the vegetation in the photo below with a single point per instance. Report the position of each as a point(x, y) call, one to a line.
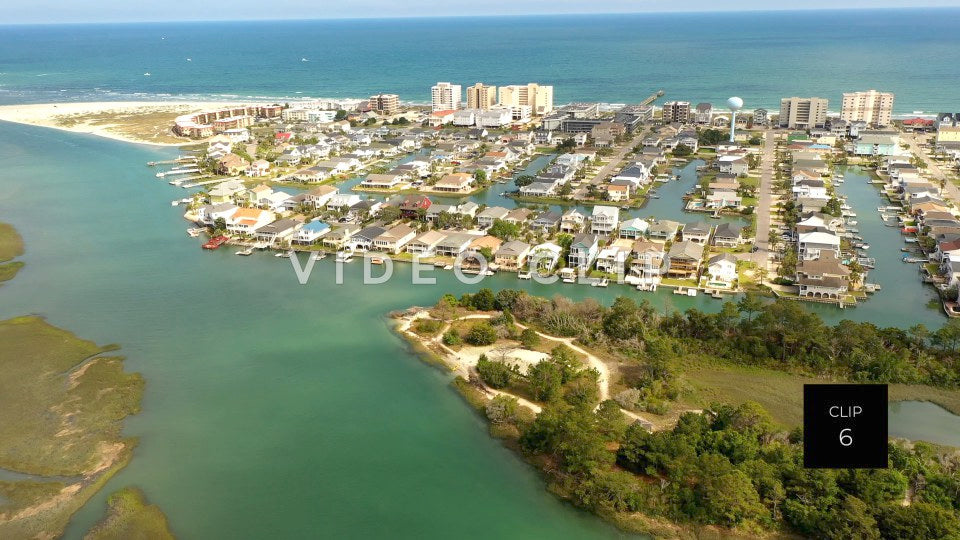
point(11, 246)
point(129, 516)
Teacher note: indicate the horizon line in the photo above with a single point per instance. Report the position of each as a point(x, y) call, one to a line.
point(486, 16)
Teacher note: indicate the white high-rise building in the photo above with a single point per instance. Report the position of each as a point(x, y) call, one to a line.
point(872, 107)
point(803, 113)
point(538, 98)
point(446, 97)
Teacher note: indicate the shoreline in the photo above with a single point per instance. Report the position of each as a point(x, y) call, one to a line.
point(58, 116)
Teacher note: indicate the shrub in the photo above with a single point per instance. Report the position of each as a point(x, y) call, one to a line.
point(481, 334)
point(452, 337)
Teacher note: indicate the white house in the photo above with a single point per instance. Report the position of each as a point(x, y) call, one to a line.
point(722, 270)
point(604, 219)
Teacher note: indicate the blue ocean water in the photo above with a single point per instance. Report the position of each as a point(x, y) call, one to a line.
point(761, 56)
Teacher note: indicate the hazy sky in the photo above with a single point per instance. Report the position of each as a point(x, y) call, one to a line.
point(57, 11)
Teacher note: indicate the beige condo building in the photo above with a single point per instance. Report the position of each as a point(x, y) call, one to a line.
point(803, 113)
point(481, 96)
point(872, 107)
point(385, 103)
point(538, 98)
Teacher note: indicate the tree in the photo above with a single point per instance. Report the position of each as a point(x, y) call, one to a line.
point(546, 380)
point(483, 300)
point(504, 230)
point(480, 334)
point(682, 150)
point(750, 304)
point(852, 519)
point(523, 180)
point(480, 176)
point(341, 115)
point(495, 374)
point(529, 338)
point(220, 224)
point(566, 145)
point(452, 338)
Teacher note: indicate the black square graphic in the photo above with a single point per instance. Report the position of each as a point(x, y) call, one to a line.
point(845, 426)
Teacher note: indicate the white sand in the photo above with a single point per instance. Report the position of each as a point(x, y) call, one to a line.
point(46, 115)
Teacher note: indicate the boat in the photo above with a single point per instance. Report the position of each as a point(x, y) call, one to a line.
point(654, 196)
point(523, 275)
point(864, 246)
point(174, 203)
point(568, 275)
point(910, 240)
point(317, 255)
point(215, 242)
point(915, 260)
point(283, 255)
point(195, 232)
point(376, 260)
point(344, 256)
point(245, 252)
point(600, 283)
point(852, 222)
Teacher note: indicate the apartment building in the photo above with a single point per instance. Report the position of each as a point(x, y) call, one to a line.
point(481, 96)
point(385, 103)
point(872, 107)
point(676, 111)
point(538, 98)
point(803, 113)
point(446, 97)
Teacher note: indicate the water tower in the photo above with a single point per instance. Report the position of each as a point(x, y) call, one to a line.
point(734, 104)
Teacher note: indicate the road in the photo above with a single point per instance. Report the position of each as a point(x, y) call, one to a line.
point(613, 164)
point(951, 190)
point(765, 200)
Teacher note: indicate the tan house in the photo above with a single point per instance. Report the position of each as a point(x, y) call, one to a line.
point(232, 165)
point(393, 240)
point(512, 255)
point(454, 183)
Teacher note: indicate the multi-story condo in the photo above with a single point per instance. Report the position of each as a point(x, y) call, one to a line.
point(872, 107)
point(538, 98)
point(803, 113)
point(385, 103)
point(676, 111)
point(760, 117)
point(481, 96)
point(445, 96)
point(704, 113)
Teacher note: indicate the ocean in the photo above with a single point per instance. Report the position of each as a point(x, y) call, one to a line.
point(760, 56)
point(275, 410)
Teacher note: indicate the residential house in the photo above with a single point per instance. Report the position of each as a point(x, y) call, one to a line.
point(728, 235)
point(393, 240)
point(209, 213)
point(684, 259)
point(225, 191)
point(572, 222)
point(490, 214)
point(319, 196)
point(547, 221)
point(363, 239)
point(248, 220)
point(454, 183)
point(698, 233)
point(425, 244)
point(512, 256)
point(258, 168)
point(613, 258)
point(518, 216)
point(663, 230)
point(232, 165)
point(722, 271)
point(454, 244)
point(604, 219)
point(382, 181)
point(544, 257)
point(824, 277)
point(813, 245)
point(279, 232)
point(413, 205)
point(311, 232)
point(633, 228)
point(648, 259)
point(583, 252)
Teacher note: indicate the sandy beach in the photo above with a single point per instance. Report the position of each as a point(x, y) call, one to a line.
point(141, 122)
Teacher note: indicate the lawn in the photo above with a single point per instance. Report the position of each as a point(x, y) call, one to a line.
point(782, 393)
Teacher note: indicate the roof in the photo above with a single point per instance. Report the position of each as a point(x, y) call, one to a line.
point(641, 246)
point(430, 238)
point(316, 226)
point(396, 233)
point(728, 230)
point(514, 247)
point(491, 242)
point(722, 257)
point(687, 249)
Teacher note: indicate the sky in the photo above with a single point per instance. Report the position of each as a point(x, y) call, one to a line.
point(74, 11)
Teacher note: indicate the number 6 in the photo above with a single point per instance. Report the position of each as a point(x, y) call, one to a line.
point(845, 438)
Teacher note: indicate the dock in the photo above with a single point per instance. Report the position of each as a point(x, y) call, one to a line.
point(652, 97)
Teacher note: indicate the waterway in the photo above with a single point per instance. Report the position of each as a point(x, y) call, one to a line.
point(925, 421)
point(272, 409)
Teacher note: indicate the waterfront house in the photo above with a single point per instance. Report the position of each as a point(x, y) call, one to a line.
point(454, 183)
point(364, 209)
point(257, 195)
point(247, 220)
point(393, 240)
point(824, 277)
point(547, 221)
point(810, 188)
point(604, 219)
point(648, 259)
point(225, 191)
point(813, 245)
point(340, 236)
point(718, 199)
point(319, 196)
point(722, 271)
point(311, 232)
point(684, 259)
point(583, 251)
point(633, 228)
point(311, 174)
point(490, 214)
point(488, 242)
point(539, 189)
point(663, 230)
point(876, 143)
point(572, 221)
point(382, 181)
point(617, 192)
point(545, 256)
point(698, 233)
point(208, 214)
point(293, 203)
point(454, 244)
point(278, 232)
point(613, 258)
point(436, 209)
point(413, 205)
point(425, 244)
point(637, 174)
point(728, 235)
point(258, 168)
point(363, 240)
point(232, 165)
point(467, 208)
point(947, 250)
point(511, 256)
point(275, 201)
point(733, 165)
